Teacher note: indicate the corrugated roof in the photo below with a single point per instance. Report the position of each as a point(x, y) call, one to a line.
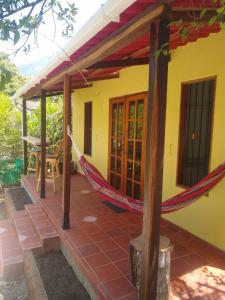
point(84, 41)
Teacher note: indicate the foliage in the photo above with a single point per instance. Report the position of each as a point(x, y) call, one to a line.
point(20, 19)
point(11, 125)
point(11, 80)
point(217, 16)
point(196, 20)
point(54, 121)
point(10, 129)
point(10, 171)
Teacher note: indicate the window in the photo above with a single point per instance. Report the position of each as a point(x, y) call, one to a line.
point(195, 131)
point(87, 128)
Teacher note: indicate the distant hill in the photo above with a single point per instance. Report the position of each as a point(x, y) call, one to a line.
point(32, 69)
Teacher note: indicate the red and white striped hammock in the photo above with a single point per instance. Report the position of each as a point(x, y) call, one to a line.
point(109, 193)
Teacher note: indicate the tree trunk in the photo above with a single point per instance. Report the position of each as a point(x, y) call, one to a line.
point(163, 281)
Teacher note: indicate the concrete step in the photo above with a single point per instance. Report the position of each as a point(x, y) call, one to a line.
point(11, 257)
point(44, 227)
point(28, 229)
point(27, 234)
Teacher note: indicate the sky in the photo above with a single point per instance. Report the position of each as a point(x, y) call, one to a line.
point(46, 48)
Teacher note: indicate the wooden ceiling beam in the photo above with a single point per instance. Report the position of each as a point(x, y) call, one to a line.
point(192, 15)
point(96, 78)
point(75, 84)
point(119, 63)
point(128, 33)
point(139, 52)
point(49, 94)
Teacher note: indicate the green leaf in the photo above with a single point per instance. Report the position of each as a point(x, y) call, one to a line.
point(158, 53)
point(184, 32)
point(220, 10)
point(2, 81)
point(222, 25)
point(16, 37)
point(212, 20)
point(202, 13)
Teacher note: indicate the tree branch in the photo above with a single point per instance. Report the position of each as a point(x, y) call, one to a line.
point(12, 12)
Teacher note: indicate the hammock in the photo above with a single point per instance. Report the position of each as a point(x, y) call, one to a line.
point(109, 193)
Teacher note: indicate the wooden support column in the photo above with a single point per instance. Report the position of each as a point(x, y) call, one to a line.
point(154, 149)
point(25, 162)
point(66, 152)
point(43, 142)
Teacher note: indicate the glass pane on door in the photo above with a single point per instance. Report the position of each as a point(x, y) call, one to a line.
point(116, 148)
point(134, 147)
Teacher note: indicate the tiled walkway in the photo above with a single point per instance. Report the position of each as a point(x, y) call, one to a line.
point(99, 240)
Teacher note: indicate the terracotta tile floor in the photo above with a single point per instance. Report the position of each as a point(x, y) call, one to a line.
point(99, 239)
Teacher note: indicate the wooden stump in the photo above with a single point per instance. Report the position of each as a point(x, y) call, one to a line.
point(163, 282)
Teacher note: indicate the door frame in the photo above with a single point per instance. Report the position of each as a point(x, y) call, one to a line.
point(124, 98)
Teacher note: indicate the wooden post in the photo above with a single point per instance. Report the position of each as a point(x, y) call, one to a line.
point(43, 142)
point(154, 149)
point(25, 162)
point(66, 153)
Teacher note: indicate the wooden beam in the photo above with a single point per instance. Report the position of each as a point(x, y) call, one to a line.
point(120, 63)
point(25, 162)
point(90, 78)
point(192, 15)
point(193, 8)
point(154, 149)
point(66, 152)
point(139, 52)
point(75, 84)
point(43, 143)
point(48, 94)
point(128, 33)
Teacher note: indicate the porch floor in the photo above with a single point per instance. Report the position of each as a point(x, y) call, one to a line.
point(99, 239)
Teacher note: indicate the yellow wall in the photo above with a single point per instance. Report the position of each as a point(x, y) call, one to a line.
point(206, 217)
point(204, 58)
point(132, 80)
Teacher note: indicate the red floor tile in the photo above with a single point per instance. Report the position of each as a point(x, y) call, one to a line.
point(180, 251)
point(124, 266)
point(80, 241)
point(97, 260)
point(179, 267)
point(99, 237)
point(107, 245)
point(194, 260)
point(132, 296)
point(107, 272)
point(116, 254)
point(117, 288)
point(88, 250)
point(106, 242)
point(196, 245)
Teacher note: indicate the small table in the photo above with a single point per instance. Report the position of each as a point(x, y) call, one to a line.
point(35, 141)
